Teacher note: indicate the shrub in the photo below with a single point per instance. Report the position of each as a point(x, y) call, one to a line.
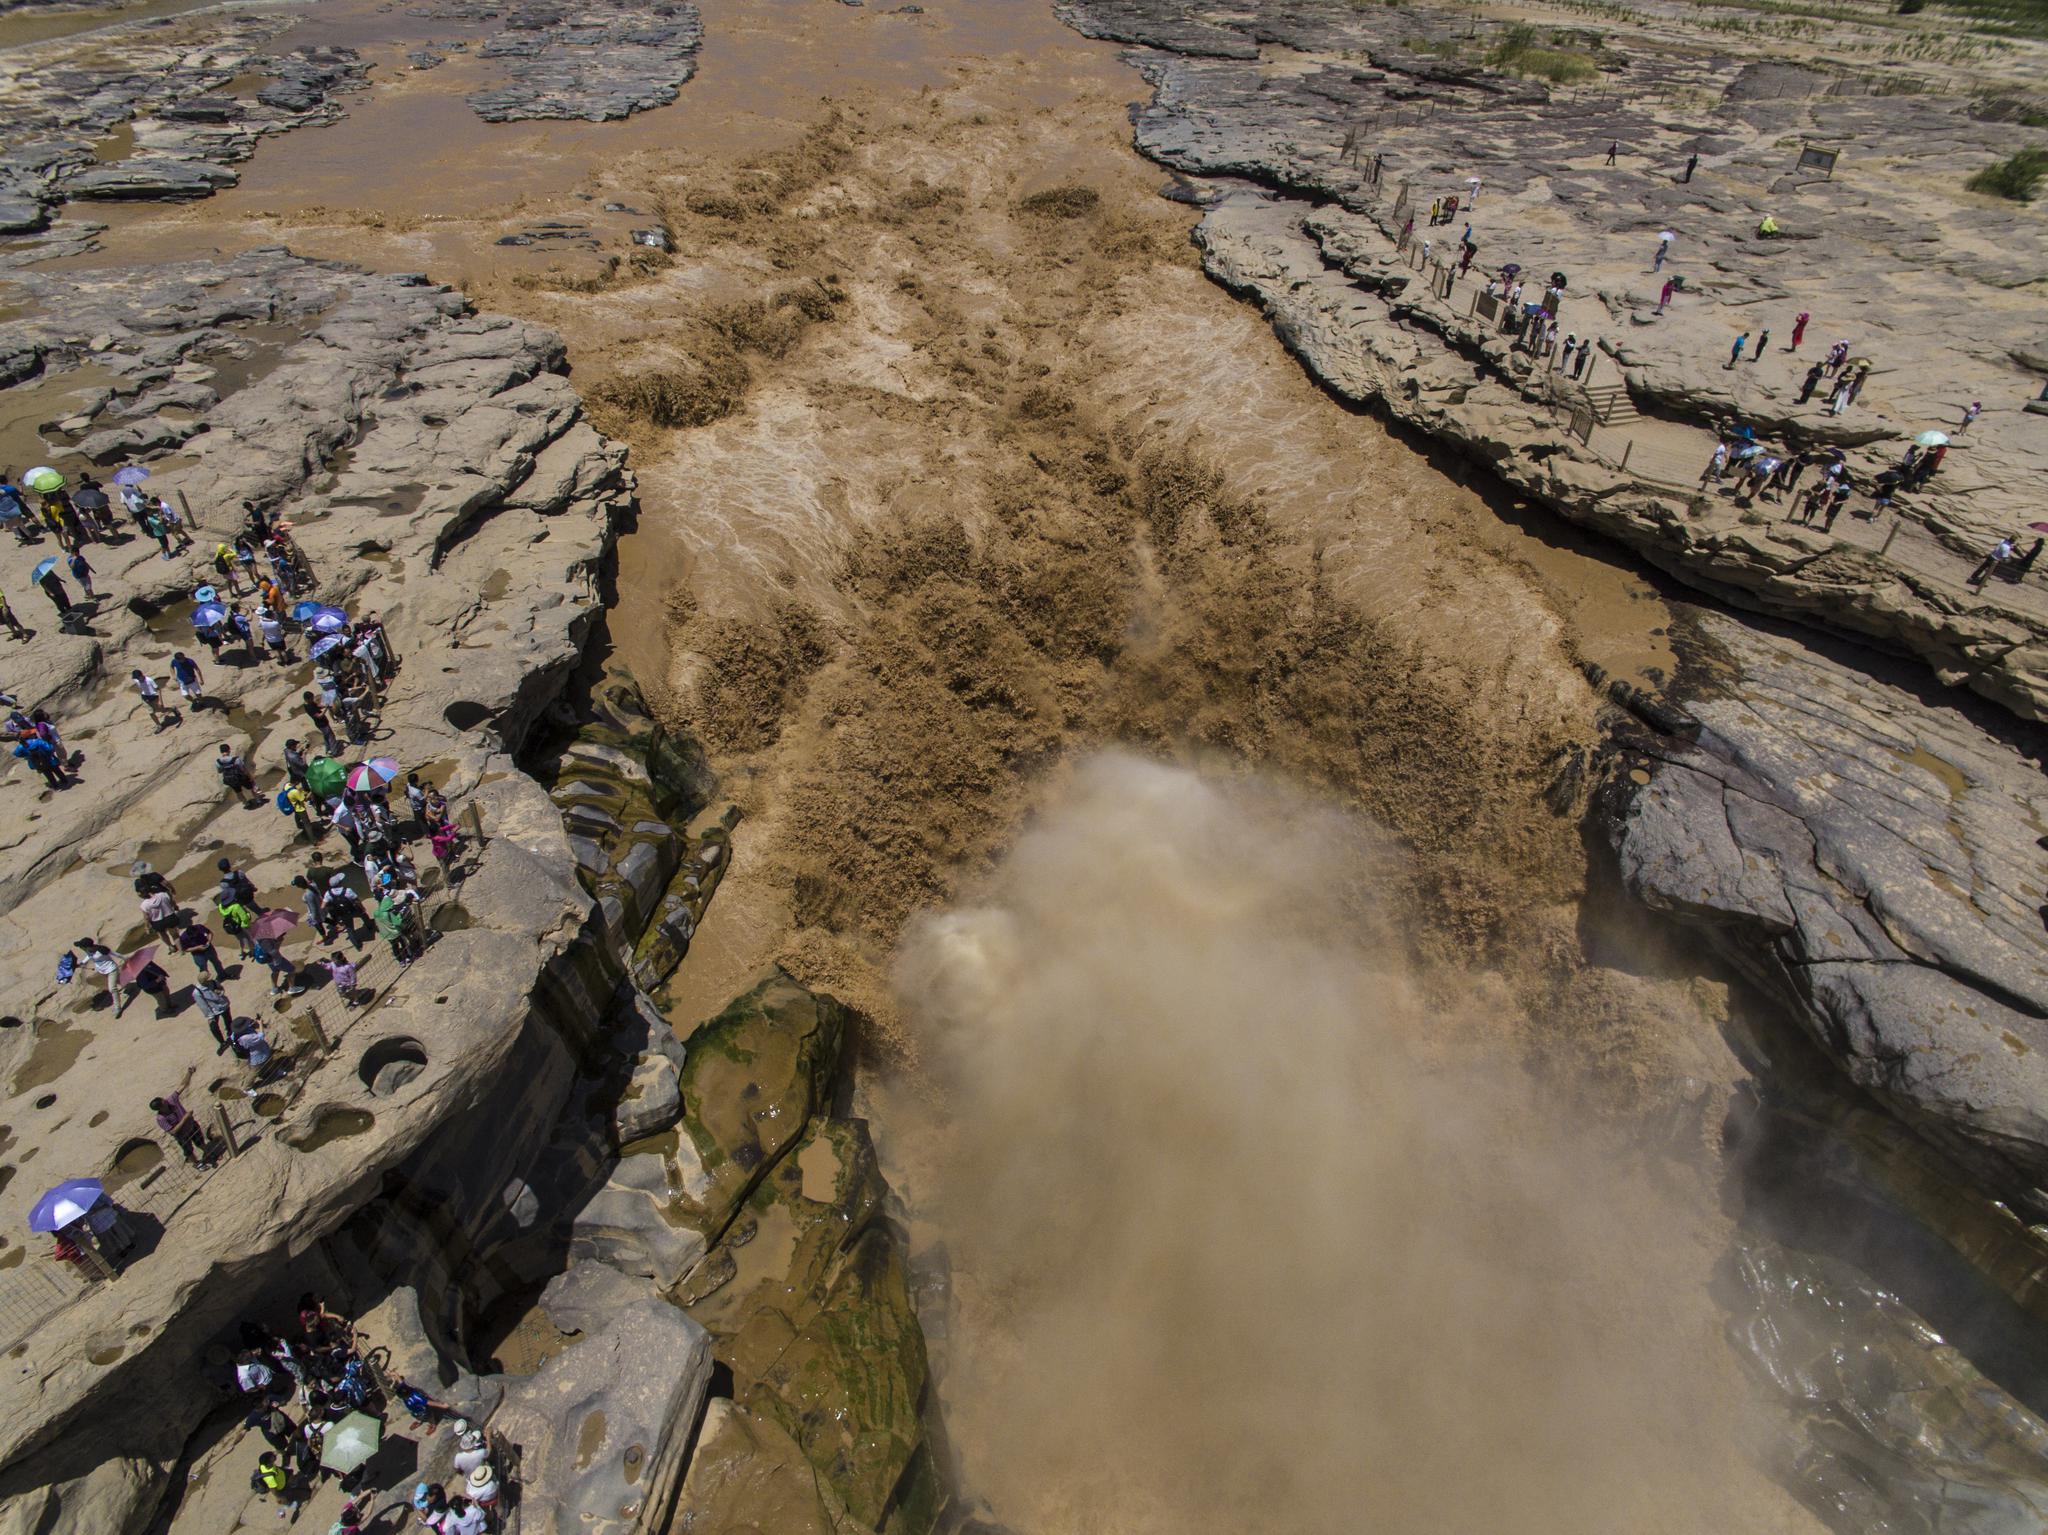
point(1520, 52)
point(2017, 178)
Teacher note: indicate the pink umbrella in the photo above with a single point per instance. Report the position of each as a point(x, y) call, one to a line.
point(131, 967)
point(273, 924)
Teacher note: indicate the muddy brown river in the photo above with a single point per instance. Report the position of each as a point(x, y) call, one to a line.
point(1151, 748)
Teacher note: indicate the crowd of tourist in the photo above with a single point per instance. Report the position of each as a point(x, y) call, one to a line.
point(1529, 316)
point(360, 823)
point(323, 1406)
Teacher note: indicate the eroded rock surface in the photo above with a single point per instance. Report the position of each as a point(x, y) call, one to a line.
point(597, 62)
point(1874, 858)
point(1289, 124)
point(437, 470)
point(162, 120)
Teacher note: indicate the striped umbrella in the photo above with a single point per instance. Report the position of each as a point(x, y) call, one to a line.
point(373, 774)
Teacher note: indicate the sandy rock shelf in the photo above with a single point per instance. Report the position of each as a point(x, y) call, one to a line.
point(1286, 113)
point(438, 471)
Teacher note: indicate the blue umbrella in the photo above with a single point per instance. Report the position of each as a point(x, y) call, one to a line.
point(329, 621)
point(305, 610)
point(321, 647)
point(203, 594)
point(43, 569)
point(207, 614)
point(134, 474)
point(65, 1203)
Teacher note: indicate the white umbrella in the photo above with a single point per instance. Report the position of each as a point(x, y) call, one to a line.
point(1665, 234)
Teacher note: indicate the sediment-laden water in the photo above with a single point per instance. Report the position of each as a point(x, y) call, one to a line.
point(1162, 759)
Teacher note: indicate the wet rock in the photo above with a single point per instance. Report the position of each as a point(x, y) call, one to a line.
point(188, 129)
point(603, 1429)
point(139, 178)
point(755, 1075)
point(652, 1102)
point(629, 1225)
point(606, 60)
point(1891, 1428)
point(1872, 859)
point(749, 1474)
point(587, 1295)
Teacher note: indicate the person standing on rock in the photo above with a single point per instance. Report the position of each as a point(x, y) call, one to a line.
point(1976, 409)
point(234, 777)
point(53, 588)
point(1613, 148)
point(160, 911)
point(1663, 250)
point(274, 636)
point(1813, 378)
point(1837, 355)
point(1856, 384)
point(181, 1124)
point(1716, 466)
point(1735, 352)
point(1798, 330)
point(152, 695)
point(217, 1010)
point(1692, 163)
point(1841, 499)
point(310, 707)
point(191, 681)
point(1664, 298)
point(1998, 554)
point(14, 625)
point(1839, 400)
point(1929, 464)
point(224, 569)
point(82, 571)
point(39, 754)
point(1796, 467)
point(195, 939)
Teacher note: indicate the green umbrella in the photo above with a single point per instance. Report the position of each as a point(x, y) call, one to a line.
point(40, 480)
point(350, 1442)
point(325, 776)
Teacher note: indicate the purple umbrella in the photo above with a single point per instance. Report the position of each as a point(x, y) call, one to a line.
point(134, 474)
point(322, 647)
point(207, 614)
point(65, 1203)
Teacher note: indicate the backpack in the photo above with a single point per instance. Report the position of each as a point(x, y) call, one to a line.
point(416, 1401)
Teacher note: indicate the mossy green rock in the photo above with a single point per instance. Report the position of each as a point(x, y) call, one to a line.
point(752, 1080)
point(849, 1385)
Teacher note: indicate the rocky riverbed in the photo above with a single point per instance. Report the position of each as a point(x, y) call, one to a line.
point(633, 1211)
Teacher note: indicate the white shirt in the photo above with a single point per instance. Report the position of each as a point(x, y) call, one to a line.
point(470, 1521)
point(252, 1376)
point(146, 686)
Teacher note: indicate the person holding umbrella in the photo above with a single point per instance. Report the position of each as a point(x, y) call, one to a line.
point(45, 575)
point(267, 933)
point(78, 1210)
point(140, 973)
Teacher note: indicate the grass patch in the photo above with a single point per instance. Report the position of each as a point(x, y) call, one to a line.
point(1521, 51)
point(2016, 179)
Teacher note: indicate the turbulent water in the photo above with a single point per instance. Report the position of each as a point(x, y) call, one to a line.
point(1247, 1238)
point(1258, 1146)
